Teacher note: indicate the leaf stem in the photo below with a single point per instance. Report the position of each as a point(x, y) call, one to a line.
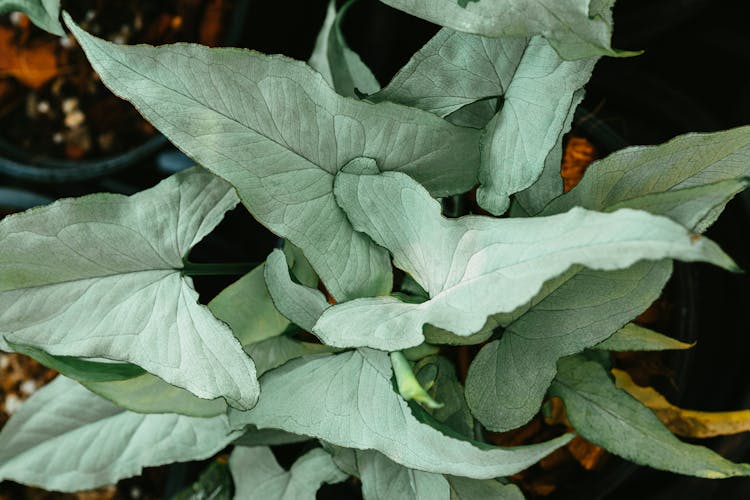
point(217, 269)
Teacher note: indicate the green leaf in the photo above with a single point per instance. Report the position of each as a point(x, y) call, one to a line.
point(446, 388)
point(300, 266)
point(65, 438)
point(80, 369)
point(463, 488)
point(612, 419)
point(435, 335)
point(214, 483)
point(539, 93)
point(274, 352)
point(257, 475)
point(246, 307)
point(576, 28)
point(100, 276)
point(128, 386)
point(538, 108)
point(300, 304)
point(475, 267)
point(277, 131)
point(688, 179)
point(319, 58)
point(268, 437)
point(348, 399)
point(384, 479)
point(509, 377)
point(44, 13)
point(632, 337)
point(429, 80)
point(341, 67)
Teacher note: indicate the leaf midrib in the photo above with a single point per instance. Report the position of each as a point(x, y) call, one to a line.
point(97, 277)
point(285, 147)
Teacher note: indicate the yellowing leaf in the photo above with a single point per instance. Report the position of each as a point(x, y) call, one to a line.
point(685, 423)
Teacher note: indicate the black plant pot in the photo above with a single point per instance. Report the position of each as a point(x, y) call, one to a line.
point(25, 165)
point(17, 199)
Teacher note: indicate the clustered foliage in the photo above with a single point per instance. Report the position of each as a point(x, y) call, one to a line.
point(349, 175)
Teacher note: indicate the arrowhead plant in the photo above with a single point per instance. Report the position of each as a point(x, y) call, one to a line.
point(351, 175)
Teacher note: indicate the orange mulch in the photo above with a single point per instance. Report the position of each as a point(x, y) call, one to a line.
point(579, 154)
point(32, 65)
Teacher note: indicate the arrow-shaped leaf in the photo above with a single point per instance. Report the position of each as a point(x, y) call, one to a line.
point(257, 475)
point(576, 28)
point(100, 276)
point(66, 438)
point(341, 66)
point(474, 267)
point(384, 479)
point(688, 179)
point(348, 399)
point(43, 13)
point(279, 133)
point(612, 419)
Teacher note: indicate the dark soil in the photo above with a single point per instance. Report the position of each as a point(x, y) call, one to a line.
point(54, 106)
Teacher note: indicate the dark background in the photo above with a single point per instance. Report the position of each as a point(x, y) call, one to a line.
point(693, 76)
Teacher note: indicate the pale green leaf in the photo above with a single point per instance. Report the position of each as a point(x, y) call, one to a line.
point(43, 13)
point(632, 337)
point(100, 276)
point(348, 399)
point(612, 419)
point(341, 66)
point(128, 386)
point(384, 479)
point(257, 475)
point(268, 437)
point(246, 307)
point(302, 305)
point(435, 335)
point(509, 377)
point(319, 58)
point(65, 438)
point(274, 352)
point(475, 267)
point(455, 70)
point(575, 28)
point(444, 387)
point(539, 93)
point(688, 179)
point(463, 488)
point(549, 185)
point(300, 266)
point(279, 133)
point(344, 458)
point(537, 109)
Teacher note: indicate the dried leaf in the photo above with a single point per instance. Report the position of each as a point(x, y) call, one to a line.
point(590, 456)
point(579, 154)
point(685, 423)
point(32, 66)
